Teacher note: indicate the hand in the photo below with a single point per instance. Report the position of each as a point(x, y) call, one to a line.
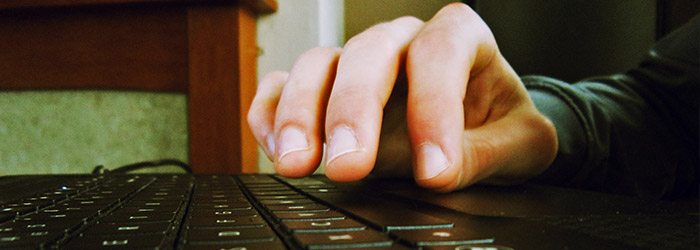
point(468, 116)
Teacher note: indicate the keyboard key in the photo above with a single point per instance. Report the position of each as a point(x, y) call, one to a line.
point(220, 213)
point(302, 181)
point(263, 245)
point(138, 218)
point(472, 247)
point(30, 224)
point(222, 205)
point(263, 185)
point(42, 200)
point(315, 186)
point(17, 209)
point(212, 236)
point(321, 190)
point(30, 238)
point(281, 197)
point(440, 236)
point(363, 238)
point(146, 210)
point(94, 200)
point(220, 189)
point(151, 197)
point(79, 206)
point(274, 193)
point(218, 196)
point(172, 204)
point(394, 246)
point(391, 216)
point(286, 202)
point(225, 222)
point(118, 242)
point(6, 216)
point(64, 210)
point(298, 208)
point(257, 179)
point(60, 215)
point(270, 188)
point(309, 216)
point(323, 226)
point(130, 229)
point(224, 200)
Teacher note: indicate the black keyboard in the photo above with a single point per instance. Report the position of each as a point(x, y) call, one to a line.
point(216, 212)
point(244, 212)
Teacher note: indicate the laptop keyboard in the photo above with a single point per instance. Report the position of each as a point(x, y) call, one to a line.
point(217, 212)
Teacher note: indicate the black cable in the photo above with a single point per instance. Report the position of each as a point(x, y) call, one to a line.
point(100, 169)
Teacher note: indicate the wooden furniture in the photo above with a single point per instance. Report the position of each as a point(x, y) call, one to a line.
point(204, 48)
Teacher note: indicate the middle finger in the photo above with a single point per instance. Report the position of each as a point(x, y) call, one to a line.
point(367, 70)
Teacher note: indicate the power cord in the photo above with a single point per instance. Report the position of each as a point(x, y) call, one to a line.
point(100, 169)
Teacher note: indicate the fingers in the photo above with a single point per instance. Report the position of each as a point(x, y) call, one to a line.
point(261, 115)
point(451, 46)
point(367, 70)
point(468, 116)
point(298, 122)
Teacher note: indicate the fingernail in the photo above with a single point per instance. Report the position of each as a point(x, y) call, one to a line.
point(271, 143)
point(342, 141)
point(431, 161)
point(292, 140)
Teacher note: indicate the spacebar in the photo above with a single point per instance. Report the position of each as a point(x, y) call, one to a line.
point(389, 215)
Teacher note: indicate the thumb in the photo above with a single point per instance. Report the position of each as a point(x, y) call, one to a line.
point(509, 150)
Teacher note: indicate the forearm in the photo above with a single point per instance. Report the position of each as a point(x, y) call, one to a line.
point(614, 137)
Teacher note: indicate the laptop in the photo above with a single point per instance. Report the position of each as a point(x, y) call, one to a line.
point(258, 211)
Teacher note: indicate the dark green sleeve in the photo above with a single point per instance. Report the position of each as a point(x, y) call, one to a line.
point(634, 133)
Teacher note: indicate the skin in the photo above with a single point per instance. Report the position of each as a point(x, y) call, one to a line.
point(452, 104)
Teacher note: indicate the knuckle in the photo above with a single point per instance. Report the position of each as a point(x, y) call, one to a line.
point(317, 52)
point(452, 27)
point(254, 117)
point(408, 20)
point(277, 75)
point(459, 8)
point(375, 39)
point(387, 36)
point(273, 78)
point(430, 43)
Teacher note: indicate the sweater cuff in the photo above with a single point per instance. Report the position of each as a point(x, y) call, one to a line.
point(571, 136)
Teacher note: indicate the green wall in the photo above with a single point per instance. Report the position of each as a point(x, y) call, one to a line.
point(73, 131)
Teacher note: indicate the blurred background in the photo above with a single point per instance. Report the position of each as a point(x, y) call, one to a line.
point(73, 131)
